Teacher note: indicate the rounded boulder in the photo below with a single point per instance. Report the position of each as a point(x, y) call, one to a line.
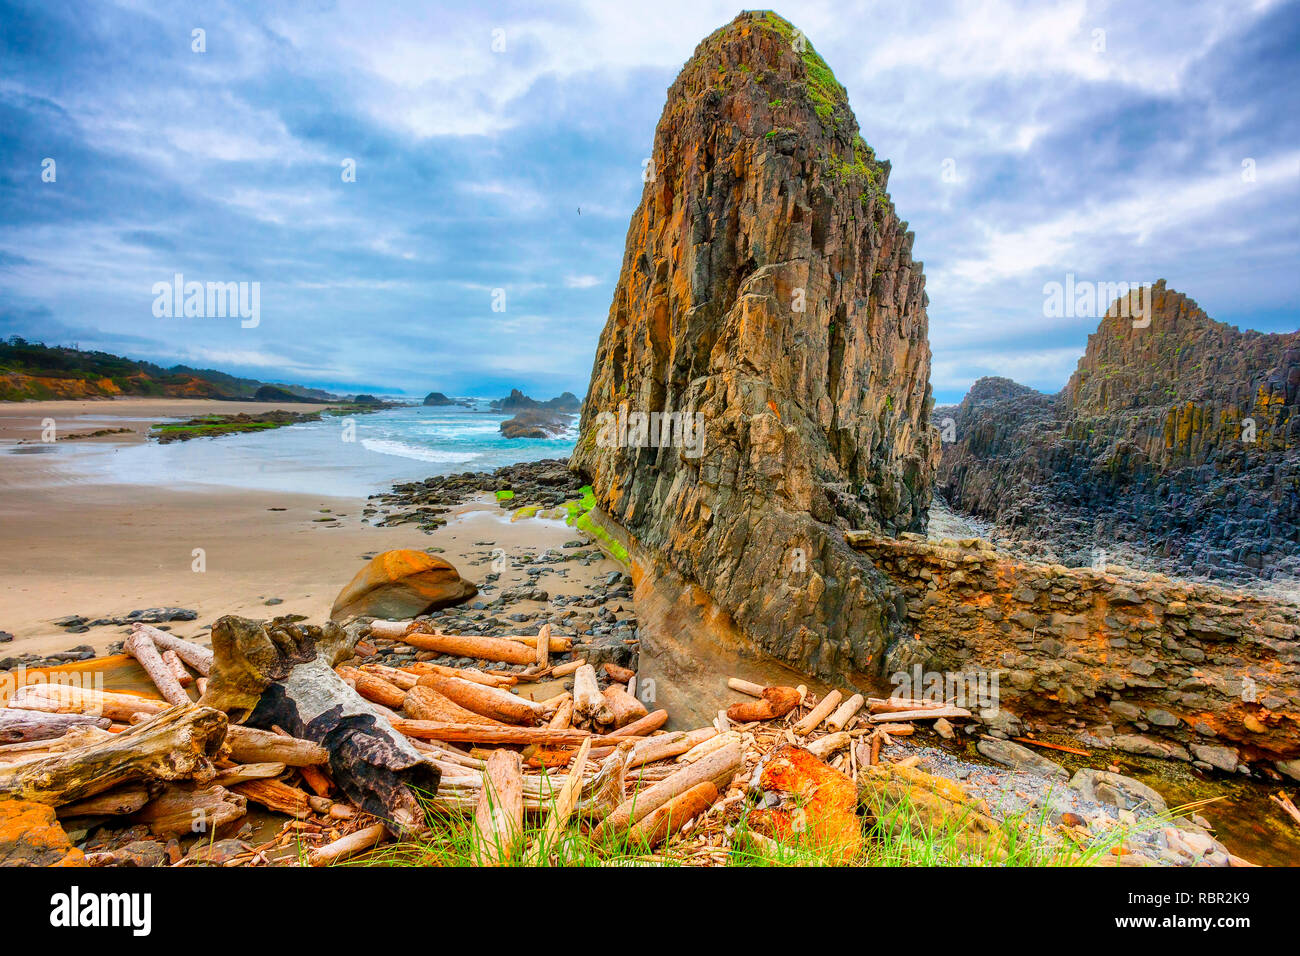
point(401, 584)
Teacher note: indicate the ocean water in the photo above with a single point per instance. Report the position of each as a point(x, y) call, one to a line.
point(351, 456)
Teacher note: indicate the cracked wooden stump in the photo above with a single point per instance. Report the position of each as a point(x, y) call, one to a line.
point(281, 674)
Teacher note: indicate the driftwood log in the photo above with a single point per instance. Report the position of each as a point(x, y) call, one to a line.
point(116, 803)
point(718, 768)
point(499, 816)
point(141, 647)
point(281, 674)
point(200, 658)
point(183, 811)
point(250, 745)
point(68, 699)
point(493, 702)
point(178, 744)
point(21, 726)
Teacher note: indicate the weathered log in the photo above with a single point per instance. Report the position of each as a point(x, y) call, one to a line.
point(75, 739)
point(278, 796)
point(567, 668)
point(543, 642)
point(664, 821)
point(876, 705)
point(646, 725)
point(372, 687)
point(185, 811)
point(929, 713)
point(845, 712)
point(499, 817)
point(425, 703)
point(250, 745)
point(280, 674)
point(22, 726)
point(139, 646)
point(566, 801)
point(718, 768)
point(115, 803)
point(563, 718)
point(745, 686)
point(177, 744)
point(499, 705)
point(708, 745)
point(200, 658)
point(67, 699)
point(823, 747)
point(620, 675)
point(825, 707)
point(484, 648)
point(623, 707)
point(499, 736)
point(392, 630)
point(650, 749)
point(399, 678)
point(589, 703)
point(350, 845)
point(244, 772)
point(472, 674)
point(177, 667)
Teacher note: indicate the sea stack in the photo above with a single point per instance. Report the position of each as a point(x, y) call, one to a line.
point(768, 293)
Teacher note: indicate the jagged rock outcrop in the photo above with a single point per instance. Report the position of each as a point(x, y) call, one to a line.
point(768, 291)
point(1179, 440)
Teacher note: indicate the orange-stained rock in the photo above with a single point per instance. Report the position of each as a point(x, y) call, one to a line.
point(818, 805)
point(30, 835)
point(768, 293)
point(401, 584)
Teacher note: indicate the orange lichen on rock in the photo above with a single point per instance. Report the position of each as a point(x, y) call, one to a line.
point(30, 835)
point(816, 805)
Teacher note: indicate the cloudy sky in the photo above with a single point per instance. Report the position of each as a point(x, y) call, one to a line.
point(1115, 141)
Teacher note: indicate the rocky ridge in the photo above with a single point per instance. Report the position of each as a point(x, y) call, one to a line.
point(1178, 441)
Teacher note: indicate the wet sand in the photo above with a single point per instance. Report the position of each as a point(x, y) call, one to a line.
point(25, 421)
point(70, 547)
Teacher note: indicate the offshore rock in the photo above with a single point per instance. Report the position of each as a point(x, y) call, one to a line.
point(767, 292)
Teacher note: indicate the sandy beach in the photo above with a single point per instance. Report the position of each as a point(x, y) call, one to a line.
point(24, 421)
point(103, 550)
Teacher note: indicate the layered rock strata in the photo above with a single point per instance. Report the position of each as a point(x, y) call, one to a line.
point(769, 295)
point(1177, 439)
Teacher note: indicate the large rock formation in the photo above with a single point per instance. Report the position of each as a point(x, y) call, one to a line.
point(1153, 666)
point(768, 289)
point(1179, 440)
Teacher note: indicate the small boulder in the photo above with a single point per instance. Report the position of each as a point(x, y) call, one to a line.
point(1019, 758)
point(401, 584)
point(1221, 758)
point(1117, 790)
